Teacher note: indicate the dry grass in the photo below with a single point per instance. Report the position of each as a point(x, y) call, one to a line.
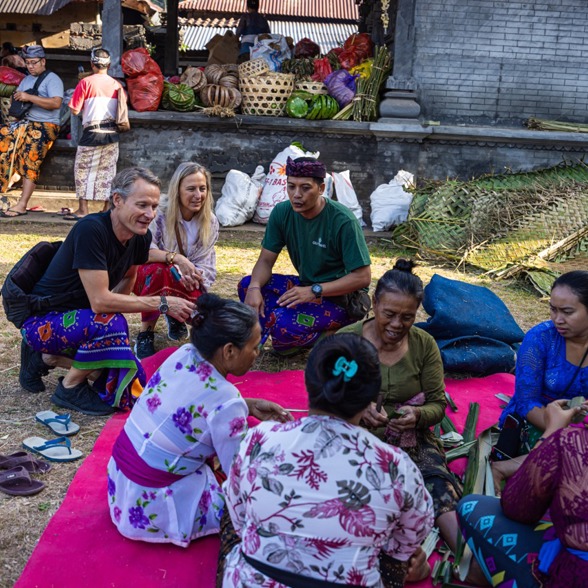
point(22, 520)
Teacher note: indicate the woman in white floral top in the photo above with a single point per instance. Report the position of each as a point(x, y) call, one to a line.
point(316, 500)
point(161, 487)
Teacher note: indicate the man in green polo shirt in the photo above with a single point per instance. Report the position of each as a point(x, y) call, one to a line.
point(326, 246)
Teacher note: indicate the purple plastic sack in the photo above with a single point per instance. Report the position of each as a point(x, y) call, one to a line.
point(341, 86)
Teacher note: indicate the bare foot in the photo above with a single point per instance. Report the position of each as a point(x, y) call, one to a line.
point(503, 470)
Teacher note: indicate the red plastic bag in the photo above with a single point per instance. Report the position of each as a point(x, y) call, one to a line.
point(137, 62)
point(10, 76)
point(145, 91)
point(348, 59)
point(306, 48)
point(322, 68)
point(362, 44)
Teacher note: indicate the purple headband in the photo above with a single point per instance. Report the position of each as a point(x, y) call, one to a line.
point(305, 169)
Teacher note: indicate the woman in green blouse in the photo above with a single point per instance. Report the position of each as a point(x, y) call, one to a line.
point(412, 384)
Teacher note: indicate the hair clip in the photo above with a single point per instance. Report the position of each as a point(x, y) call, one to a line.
point(347, 368)
point(197, 318)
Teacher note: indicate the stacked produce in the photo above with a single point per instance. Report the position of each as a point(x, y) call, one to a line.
point(352, 77)
point(10, 78)
point(214, 89)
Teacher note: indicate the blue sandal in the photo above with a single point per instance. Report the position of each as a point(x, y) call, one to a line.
point(60, 424)
point(54, 450)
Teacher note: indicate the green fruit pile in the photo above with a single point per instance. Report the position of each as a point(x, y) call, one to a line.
point(6, 90)
point(178, 97)
point(303, 104)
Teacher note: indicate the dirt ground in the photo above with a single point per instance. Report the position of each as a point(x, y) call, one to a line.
point(22, 520)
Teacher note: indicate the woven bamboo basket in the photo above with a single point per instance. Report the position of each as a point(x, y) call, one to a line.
point(312, 87)
point(4, 107)
point(255, 67)
point(266, 95)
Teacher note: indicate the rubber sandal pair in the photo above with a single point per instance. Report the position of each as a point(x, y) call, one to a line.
point(58, 450)
point(26, 460)
point(63, 211)
point(60, 424)
point(36, 209)
point(18, 482)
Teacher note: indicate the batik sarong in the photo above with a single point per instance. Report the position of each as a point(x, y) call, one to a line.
point(300, 326)
point(506, 550)
point(23, 147)
point(156, 279)
point(94, 170)
point(94, 342)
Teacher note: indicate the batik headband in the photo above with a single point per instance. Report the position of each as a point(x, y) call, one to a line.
point(99, 61)
point(305, 169)
point(33, 52)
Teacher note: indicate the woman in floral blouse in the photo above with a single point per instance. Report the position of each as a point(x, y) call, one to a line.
point(316, 500)
point(161, 487)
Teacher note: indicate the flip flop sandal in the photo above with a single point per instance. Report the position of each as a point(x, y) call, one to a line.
point(15, 213)
point(17, 482)
point(36, 209)
point(64, 211)
point(72, 217)
point(54, 450)
point(26, 460)
point(60, 424)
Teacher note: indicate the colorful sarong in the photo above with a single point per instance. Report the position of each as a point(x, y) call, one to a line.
point(156, 279)
point(23, 147)
point(94, 342)
point(94, 170)
point(300, 326)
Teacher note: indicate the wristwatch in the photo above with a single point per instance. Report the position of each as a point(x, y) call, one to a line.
point(317, 290)
point(163, 306)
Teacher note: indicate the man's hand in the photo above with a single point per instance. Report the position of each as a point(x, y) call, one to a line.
point(264, 410)
point(372, 418)
point(408, 420)
point(296, 295)
point(180, 309)
point(21, 96)
point(254, 299)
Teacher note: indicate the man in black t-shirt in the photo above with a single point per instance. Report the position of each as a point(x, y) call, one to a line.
point(97, 265)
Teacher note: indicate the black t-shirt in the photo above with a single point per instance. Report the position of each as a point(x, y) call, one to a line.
point(91, 245)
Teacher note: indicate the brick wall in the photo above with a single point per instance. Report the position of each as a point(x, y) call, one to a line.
point(502, 61)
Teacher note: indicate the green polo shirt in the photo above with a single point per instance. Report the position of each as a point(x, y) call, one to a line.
point(322, 249)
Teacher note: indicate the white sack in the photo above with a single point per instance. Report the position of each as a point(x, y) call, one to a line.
point(276, 181)
point(390, 203)
point(346, 194)
point(239, 197)
point(275, 50)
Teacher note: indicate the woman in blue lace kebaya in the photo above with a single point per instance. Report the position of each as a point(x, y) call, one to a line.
point(161, 486)
point(552, 362)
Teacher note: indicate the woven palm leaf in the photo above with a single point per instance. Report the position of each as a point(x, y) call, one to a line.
point(496, 222)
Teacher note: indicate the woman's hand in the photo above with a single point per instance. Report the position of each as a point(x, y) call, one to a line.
point(557, 416)
point(372, 418)
point(191, 275)
point(408, 420)
point(418, 566)
point(264, 410)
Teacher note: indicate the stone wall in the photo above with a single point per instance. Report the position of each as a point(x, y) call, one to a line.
point(373, 152)
point(498, 61)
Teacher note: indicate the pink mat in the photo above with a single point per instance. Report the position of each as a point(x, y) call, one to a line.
point(81, 547)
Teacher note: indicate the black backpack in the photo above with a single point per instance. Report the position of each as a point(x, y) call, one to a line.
point(19, 304)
